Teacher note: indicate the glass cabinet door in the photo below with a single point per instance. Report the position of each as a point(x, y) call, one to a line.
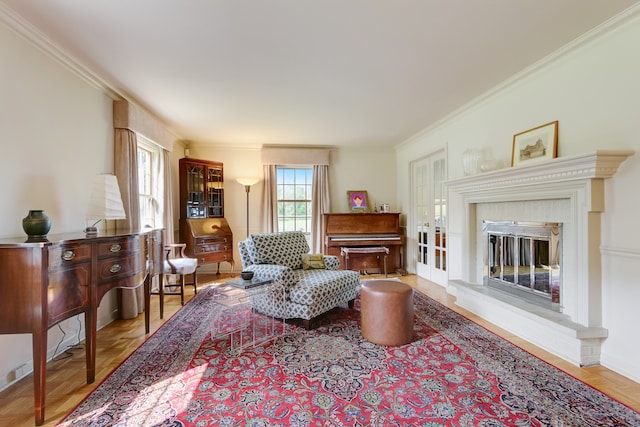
point(201, 189)
point(215, 193)
point(195, 191)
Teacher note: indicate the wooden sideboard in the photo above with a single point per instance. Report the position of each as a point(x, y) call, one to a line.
point(45, 282)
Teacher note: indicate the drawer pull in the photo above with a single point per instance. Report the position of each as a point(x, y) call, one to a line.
point(68, 255)
point(115, 247)
point(115, 268)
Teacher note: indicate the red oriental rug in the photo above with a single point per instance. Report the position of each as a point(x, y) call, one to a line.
point(454, 373)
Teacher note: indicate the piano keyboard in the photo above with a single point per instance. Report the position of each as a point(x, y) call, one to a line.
point(365, 237)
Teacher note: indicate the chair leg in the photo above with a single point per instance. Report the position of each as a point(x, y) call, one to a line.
point(182, 289)
point(195, 282)
point(161, 294)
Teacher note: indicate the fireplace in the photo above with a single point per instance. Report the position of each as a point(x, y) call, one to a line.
point(551, 211)
point(524, 259)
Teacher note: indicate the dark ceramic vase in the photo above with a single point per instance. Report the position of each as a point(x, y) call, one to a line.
point(36, 224)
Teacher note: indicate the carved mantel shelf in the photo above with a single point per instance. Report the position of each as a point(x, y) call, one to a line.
point(600, 164)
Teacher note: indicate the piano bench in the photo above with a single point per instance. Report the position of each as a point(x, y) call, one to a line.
point(346, 251)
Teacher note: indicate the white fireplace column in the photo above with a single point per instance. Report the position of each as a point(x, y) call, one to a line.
point(569, 190)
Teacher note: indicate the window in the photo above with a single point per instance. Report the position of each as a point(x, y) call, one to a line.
point(294, 187)
point(149, 183)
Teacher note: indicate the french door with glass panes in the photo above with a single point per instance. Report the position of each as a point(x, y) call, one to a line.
point(430, 217)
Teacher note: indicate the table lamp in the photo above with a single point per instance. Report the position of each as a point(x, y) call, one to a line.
point(105, 202)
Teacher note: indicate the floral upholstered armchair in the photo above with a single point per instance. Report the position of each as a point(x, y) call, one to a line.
point(312, 284)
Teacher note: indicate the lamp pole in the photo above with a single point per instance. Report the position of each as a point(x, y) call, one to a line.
point(247, 188)
point(247, 182)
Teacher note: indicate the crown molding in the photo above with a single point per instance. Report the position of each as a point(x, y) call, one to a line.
point(32, 35)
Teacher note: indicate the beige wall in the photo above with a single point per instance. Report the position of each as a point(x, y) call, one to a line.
point(353, 169)
point(56, 134)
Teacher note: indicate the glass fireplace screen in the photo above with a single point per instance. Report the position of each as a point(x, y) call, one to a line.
point(524, 258)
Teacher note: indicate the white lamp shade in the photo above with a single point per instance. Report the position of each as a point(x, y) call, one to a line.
point(247, 181)
point(106, 201)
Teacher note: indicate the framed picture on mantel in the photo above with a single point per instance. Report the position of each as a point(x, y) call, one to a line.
point(539, 143)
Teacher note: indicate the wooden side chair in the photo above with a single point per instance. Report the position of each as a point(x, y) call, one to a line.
point(176, 263)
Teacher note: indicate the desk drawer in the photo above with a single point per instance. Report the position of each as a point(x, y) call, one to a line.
point(206, 258)
point(211, 248)
point(212, 240)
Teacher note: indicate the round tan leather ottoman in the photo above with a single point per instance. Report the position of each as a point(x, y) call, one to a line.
point(386, 312)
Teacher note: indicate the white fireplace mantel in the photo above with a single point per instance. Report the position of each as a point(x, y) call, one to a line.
point(569, 190)
point(598, 165)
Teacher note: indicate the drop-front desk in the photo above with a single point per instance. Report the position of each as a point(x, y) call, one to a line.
point(45, 282)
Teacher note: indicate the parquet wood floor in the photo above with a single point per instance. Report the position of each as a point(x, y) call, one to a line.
point(66, 378)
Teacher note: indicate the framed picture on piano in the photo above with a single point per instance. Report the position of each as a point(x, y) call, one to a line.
point(358, 201)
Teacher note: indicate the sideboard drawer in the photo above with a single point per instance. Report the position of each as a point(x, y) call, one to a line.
point(69, 254)
point(116, 247)
point(122, 269)
point(69, 281)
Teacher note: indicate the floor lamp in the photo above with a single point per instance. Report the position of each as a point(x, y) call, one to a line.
point(247, 182)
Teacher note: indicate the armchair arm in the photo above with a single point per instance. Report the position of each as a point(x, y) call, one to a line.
point(169, 250)
point(331, 262)
point(278, 273)
point(173, 246)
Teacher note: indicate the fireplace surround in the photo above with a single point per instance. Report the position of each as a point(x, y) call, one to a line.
point(567, 191)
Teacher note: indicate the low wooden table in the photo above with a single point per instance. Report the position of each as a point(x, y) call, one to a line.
point(346, 252)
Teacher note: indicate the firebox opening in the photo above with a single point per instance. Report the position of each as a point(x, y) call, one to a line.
point(524, 260)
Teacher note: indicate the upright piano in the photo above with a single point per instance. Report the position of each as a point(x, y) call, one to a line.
point(359, 230)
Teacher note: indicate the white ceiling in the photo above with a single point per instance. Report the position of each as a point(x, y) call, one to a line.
point(308, 72)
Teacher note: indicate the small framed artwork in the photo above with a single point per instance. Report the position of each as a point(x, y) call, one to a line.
point(539, 143)
point(358, 201)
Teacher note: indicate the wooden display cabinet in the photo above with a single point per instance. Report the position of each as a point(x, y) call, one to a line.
point(201, 189)
point(202, 224)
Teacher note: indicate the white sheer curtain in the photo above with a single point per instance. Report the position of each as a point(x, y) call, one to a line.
point(320, 204)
